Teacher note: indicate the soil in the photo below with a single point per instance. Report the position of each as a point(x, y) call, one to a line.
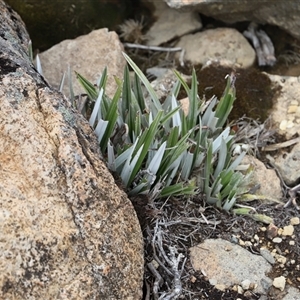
point(187, 222)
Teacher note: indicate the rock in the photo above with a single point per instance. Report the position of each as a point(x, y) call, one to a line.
point(217, 44)
point(268, 180)
point(170, 24)
point(66, 230)
point(229, 267)
point(277, 240)
point(279, 282)
point(272, 231)
point(285, 115)
point(288, 230)
point(295, 221)
point(281, 13)
point(246, 284)
point(266, 254)
point(292, 293)
point(87, 55)
point(287, 163)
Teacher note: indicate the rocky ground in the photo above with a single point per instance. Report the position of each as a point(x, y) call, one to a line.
point(192, 250)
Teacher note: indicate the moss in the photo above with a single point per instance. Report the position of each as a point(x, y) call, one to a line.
point(254, 90)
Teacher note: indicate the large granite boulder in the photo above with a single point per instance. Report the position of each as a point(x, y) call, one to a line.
point(66, 230)
point(284, 14)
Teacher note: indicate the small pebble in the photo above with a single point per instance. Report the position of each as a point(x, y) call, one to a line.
point(247, 294)
point(241, 242)
point(221, 287)
point(272, 231)
point(292, 243)
point(245, 284)
point(292, 109)
point(280, 259)
point(266, 254)
point(277, 240)
point(248, 244)
point(240, 290)
point(279, 282)
point(288, 230)
point(282, 125)
point(295, 221)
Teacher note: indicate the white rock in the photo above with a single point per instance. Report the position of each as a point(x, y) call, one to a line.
point(295, 221)
point(277, 240)
point(288, 230)
point(279, 282)
point(245, 284)
point(280, 259)
point(240, 290)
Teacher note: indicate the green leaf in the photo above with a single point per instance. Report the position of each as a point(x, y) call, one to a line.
point(89, 88)
point(225, 105)
point(179, 189)
point(126, 95)
point(156, 104)
point(156, 160)
point(111, 117)
point(192, 116)
point(146, 140)
point(138, 92)
point(102, 80)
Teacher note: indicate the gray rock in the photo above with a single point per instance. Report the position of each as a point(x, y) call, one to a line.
point(66, 230)
point(266, 254)
point(285, 114)
point(288, 164)
point(171, 23)
point(217, 45)
point(284, 14)
point(87, 55)
point(229, 264)
point(292, 293)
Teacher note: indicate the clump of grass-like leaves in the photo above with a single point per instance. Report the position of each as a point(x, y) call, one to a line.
point(157, 149)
